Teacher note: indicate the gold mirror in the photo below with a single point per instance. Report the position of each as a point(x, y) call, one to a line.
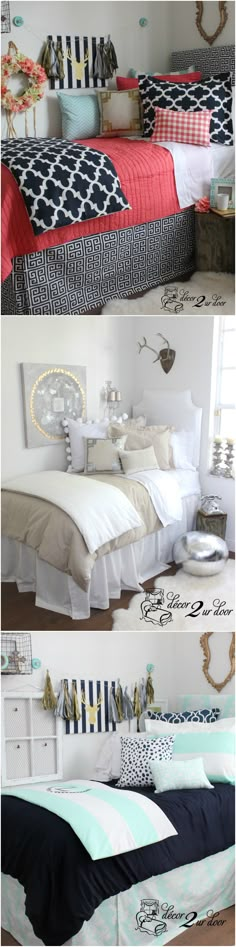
point(223, 18)
point(204, 642)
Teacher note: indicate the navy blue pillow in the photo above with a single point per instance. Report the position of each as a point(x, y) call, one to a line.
point(193, 716)
point(214, 93)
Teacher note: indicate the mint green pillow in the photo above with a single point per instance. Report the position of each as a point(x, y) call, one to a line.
point(79, 115)
point(173, 775)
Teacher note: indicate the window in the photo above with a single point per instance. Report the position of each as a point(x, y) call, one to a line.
point(224, 406)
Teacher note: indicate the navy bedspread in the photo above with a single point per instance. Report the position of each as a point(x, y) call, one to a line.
point(63, 885)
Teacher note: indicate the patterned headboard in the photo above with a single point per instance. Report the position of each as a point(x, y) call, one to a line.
point(208, 61)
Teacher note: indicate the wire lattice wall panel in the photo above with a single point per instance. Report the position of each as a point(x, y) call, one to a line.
point(16, 654)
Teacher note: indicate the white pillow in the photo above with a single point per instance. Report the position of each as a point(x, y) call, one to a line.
point(135, 460)
point(182, 443)
point(161, 727)
point(75, 431)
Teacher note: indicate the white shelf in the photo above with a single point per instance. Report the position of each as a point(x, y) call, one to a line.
point(31, 740)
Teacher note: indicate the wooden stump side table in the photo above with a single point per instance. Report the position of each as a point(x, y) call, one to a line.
point(214, 243)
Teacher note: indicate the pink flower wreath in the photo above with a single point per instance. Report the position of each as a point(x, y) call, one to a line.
point(19, 63)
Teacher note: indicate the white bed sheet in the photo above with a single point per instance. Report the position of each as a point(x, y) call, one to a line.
point(125, 568)
point(195, 166)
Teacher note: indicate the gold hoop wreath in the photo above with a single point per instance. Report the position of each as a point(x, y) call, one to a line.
point(11, 64)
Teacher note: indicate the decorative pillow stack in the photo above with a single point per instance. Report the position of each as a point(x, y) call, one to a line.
point(157, 436)
point(191, 128)
point(136, 757)
point(214, 94)
point(213, 742)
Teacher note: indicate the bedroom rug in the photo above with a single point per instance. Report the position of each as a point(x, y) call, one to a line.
point(182, 603)
point(204, 294)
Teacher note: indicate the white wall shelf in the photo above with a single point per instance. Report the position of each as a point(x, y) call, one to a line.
point(31, 740)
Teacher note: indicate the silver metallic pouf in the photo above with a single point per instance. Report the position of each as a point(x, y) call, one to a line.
point(201, 553)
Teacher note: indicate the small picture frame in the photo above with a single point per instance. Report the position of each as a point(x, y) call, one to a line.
point(222, 186)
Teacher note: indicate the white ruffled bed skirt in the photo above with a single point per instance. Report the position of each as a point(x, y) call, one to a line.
point(125, 568)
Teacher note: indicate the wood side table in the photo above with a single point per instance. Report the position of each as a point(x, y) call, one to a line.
point(212, 523)
point(214, 243)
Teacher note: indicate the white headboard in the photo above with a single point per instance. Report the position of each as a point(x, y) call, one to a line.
point(174, 408)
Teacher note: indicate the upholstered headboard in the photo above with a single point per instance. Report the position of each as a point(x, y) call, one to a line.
point(174, 408)
point(213, 60)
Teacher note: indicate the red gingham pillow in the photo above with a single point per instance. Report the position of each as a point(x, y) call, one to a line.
point(192, 128)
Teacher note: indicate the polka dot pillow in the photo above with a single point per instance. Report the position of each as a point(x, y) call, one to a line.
point(193, 716)
point(136, 756)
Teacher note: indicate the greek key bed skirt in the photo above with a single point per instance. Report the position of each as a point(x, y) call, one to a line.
point(85, 274)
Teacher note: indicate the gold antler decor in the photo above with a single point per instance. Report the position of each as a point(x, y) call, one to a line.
point(77, 66)
point(204, 642)
point(91, 709)
point(165, 356)
point(223, 18)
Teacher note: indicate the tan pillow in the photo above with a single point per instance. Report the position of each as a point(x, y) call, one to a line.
point(120, 113)
point(106, 457)
point(135, 460)
point(152, 436)
point(132, 424)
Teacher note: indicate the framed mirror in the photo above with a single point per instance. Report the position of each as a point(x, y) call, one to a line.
point(204, 642)
point(223, 16)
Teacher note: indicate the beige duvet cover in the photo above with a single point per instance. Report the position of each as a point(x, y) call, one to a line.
point(58, 541)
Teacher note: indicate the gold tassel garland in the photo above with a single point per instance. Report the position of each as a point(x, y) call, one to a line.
point(136, 702)
point(49, 700)
point(149, 689)
point(75, 703)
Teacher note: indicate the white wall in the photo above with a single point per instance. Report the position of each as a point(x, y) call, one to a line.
point(183, 30)
point(178, 668)
point(193, 341)
point(94, 342)
point(135, 47)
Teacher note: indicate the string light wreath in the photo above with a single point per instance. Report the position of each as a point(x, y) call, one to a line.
point(11, 65)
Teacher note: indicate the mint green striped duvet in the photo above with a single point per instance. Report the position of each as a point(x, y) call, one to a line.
point(107, 821)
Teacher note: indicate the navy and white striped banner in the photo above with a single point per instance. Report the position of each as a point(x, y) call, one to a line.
point(95, 711)
point(79, 58)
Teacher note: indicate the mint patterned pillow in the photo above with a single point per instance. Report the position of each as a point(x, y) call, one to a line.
point(80, 116)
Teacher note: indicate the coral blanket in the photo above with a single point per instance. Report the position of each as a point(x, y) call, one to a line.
point(146, 173)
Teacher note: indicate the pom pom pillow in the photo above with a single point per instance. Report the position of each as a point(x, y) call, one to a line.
point(75, 432)
point(214, 94)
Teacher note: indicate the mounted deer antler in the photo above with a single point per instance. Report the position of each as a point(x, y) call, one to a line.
point(165, 356)
point(91, 709)
point(77, 66)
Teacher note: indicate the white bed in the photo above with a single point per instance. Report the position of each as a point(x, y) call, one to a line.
point(129, 567)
